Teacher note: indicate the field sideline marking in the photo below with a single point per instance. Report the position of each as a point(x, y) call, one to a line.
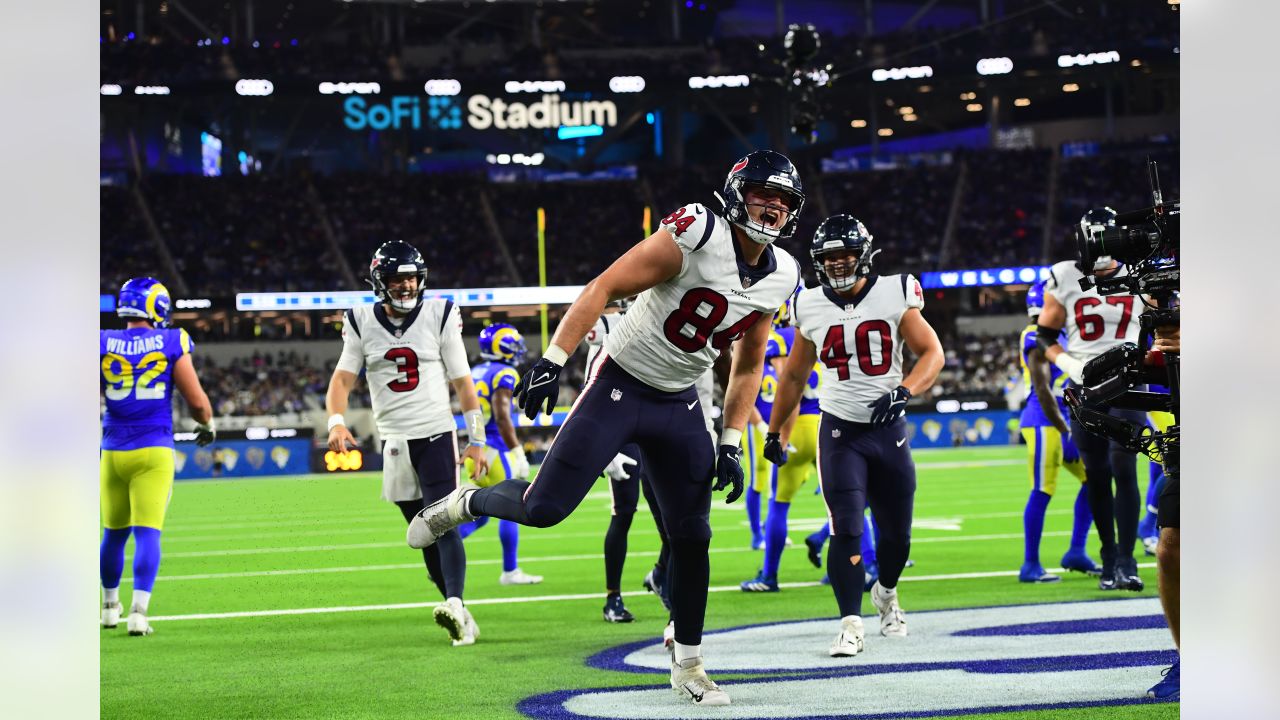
point(546, 598)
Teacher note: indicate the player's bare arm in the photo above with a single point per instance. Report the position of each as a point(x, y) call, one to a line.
point(791, 382)
point(745, 373)
point(470, 402)
point(501, 408)
point(919, 336)
point(188, 383)
point(335, 403)
point(1054, 317)
point(1039, 369)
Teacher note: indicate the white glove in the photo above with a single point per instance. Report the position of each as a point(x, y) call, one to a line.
point(617, 470)
point(518, 462)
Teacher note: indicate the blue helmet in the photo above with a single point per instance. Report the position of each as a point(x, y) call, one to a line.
point(840, 233)
point(1035, 299)
point(502, 342)
point(763, 169)
point(144, 298)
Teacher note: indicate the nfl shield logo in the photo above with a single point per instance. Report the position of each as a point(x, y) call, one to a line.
point(399, 333)
point(395, 451)
point(835, 433)
point(746, 283)
point(616, 395)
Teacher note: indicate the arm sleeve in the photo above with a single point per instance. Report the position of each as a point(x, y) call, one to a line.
point(452, 351)
point(352, 358)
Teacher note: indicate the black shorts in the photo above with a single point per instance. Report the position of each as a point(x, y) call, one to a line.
point(1168, 507)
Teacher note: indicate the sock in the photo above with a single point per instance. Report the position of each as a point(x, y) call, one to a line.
point(846, 578)
point(1083, 520)
point(111, 557)
point(453, 563)
point(753, 511)
point(431, 555)
point(869, 540)
point(689, 575)
point(111, 596)
point(509, 535)
point(775, 537)
point(687, 652)
point(615, 550)
point(146, 558)
point(141, 599)
point(1128, 502)
point(1033, 525)
point(466, 528)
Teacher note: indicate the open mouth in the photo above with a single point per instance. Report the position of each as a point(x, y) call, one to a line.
point(770, 217)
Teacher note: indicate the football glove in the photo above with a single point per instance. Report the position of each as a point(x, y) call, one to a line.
point(891, 406)
point(774, 452)
point(206, 433)
point(1070, 453)
point(519, 463)
point(617, 470)
point(729, 472)
point(538, 387)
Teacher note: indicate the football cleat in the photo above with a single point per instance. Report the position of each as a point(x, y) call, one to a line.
point(760, 583)
point(1035, 573)
point(815, 550)
point(851, 638)
point(518, 577)
point(1149, 544)
point(826, 579)
point(653, 582)
point(138, 624)
point(669, 635)
point(689, 680)
point(1127, 575)
point(110, 615)
point(440, 517)
point(893, 622)
point(615, 611)
point(757, 543)
point(452, 616)
point(470, 631)
point(1081, 563)
point(1169, 688)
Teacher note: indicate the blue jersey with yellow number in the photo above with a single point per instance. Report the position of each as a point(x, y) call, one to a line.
point(137, 380)
point(775, 347)
point(809, 397)
point(1032, 414)
point(489, 377)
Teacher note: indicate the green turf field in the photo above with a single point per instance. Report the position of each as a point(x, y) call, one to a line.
point(335, 610)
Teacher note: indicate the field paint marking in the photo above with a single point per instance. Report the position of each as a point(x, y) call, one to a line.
point(546, 598)
point(549, 558)
point(482, 536)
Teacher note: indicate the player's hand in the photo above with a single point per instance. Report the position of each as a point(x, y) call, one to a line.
point(340, 439)
point(1070, 453)
point(479, 461)
point(728, 472)
point(891, 406)
point(518, 462)
point(1168, 339)
point(1060, 424)
point(538, 387)
point(617, 470)
point(774, 451)
point(206, 433)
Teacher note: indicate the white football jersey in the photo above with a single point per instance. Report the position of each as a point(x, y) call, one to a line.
point(408, 365)
point(1094, 323)
point(674, 331)
point(859, 346)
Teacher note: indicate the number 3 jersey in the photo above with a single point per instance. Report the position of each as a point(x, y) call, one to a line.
point(676, 329)
point(407, 364)
point(1094, 323)
point(859, 346)
point(137, 381)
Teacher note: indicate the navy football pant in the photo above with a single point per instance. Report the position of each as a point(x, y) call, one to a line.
point(436, 461)
point(1115, 516)
point(613, 410)
point(861, 466)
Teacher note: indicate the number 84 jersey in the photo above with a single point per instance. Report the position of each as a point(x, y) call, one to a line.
point(676, 329)
point(859, 346)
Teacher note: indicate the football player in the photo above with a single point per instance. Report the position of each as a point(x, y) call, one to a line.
point(140, 365)
point(501, 348)
point(411, 350)
point(757, 468)
point(1049, 448)
point(855, 324)
point(1095, 324)
point(705, 281)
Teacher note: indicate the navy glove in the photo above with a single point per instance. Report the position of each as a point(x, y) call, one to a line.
point(206, 433)
point(729, 472)
point(540, 386)
point(774, 452)
point(891, 406)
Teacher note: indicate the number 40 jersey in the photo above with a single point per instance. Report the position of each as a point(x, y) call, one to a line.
point(676, 329)
point(859, 346)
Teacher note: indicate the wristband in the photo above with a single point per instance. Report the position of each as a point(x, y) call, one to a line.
point(731, 436)
point(335, 420)
point(473, 425)
point(555, 355)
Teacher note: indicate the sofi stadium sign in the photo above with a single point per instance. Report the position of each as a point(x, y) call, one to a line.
point(482, 113)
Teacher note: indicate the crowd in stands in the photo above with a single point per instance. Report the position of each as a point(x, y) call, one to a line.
point(977, 365)
point(267, 384)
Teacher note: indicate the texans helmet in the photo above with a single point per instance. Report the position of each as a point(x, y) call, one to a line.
point(765, 169)
point(502, 342)
point(1091, 223)
point(839, 233)
point(144, 298)
point(397, 257)
point(1035, 299)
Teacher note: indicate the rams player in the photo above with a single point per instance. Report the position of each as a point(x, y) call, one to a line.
point(501, 348)
point(140, 366)
point(757, 468)
point(1049, 447)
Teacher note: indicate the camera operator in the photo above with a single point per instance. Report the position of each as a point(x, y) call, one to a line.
point(1168, 555)
point(1094, 325)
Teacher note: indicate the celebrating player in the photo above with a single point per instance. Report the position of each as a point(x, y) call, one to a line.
point(1095, 324)
point(501, 347)
point(704, 281)
point(861, 321)
point(408, 347)
point(140, 366)
point(1049, 448)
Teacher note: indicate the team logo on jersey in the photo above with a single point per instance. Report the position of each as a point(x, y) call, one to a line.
point(616, 395)
point(394, 451)
point(746, 282)
point(835, 433)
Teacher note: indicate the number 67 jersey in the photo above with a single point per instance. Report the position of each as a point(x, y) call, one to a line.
point(1094, 323)
point(859, 346)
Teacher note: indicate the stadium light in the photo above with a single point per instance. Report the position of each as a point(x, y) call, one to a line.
point(1083, 59)
point(910, 117)
point(885, 132)
point(534, 86)
point(110, 89)
point(1022, 102)
point(254, 87)
point(1070, 87)
point(447, 86)
point(151, 90)
point(968, 95)
point(859, 123)
point(973, 107)
point(995, 66)
point(698, 82)
point(626, 84)
point(902, 73)
point(350, 88)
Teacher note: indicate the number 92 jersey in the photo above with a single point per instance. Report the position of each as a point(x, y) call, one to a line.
point(1094, 323)
point(407, 365)
point(676, 329)
point(859, 346)
point(137, 380)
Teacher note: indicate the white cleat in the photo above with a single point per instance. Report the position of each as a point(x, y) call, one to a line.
point(893, 622)
point(851, 639)
point(519, 577)
point(439, 517)
point(690, 681)
point(669, 635)
point(138, 624)
point(452, 616)
point(110, 615)
point(470, 631)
